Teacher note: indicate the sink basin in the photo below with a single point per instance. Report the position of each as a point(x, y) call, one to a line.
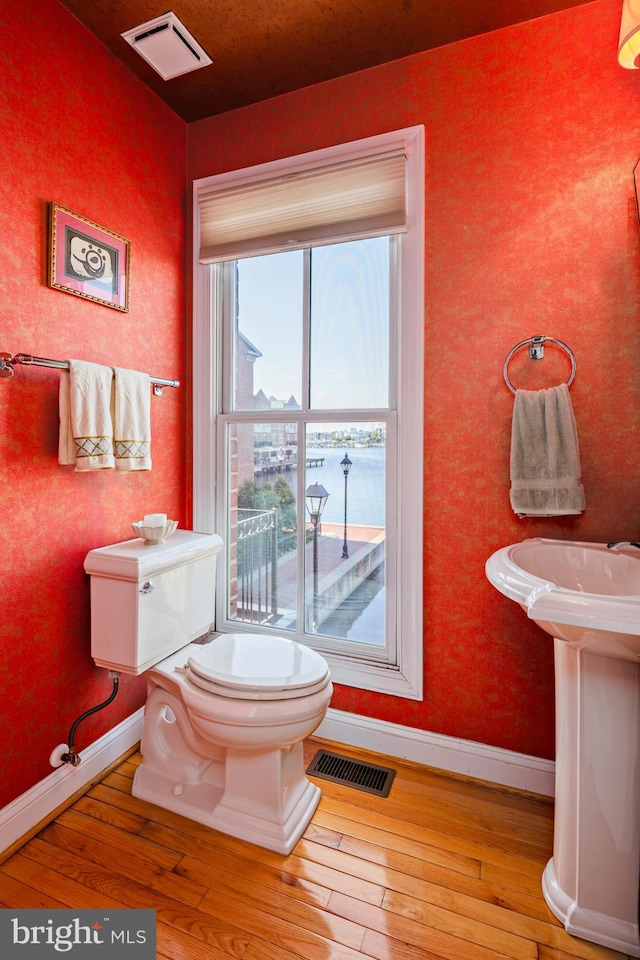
point(580, 592)
point(588, 598)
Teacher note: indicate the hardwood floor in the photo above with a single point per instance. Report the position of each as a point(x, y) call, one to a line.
point(442, 869)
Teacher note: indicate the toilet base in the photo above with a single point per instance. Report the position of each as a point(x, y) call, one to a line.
point(261, 796)
point(276, 826)
point(195, 804)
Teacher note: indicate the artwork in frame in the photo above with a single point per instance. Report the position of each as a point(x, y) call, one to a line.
point(88, 260)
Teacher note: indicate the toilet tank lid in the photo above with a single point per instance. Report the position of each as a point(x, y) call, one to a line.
point(137, 560)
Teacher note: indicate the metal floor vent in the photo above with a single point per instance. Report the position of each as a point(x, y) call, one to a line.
point(352, 773)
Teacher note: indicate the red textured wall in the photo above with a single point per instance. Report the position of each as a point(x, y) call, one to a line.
point(79, 129)
point(531, 136)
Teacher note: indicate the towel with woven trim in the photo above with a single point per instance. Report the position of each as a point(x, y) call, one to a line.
point(86, 429)
point(132, 420)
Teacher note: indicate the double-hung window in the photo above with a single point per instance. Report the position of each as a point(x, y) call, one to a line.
point(308, 395)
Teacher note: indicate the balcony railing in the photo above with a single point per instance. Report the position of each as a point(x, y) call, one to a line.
point(257, 587)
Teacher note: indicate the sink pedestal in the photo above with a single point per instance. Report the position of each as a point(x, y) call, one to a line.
point(587, 597)
point(592, 882)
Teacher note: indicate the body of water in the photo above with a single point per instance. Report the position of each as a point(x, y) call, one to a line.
point(365, 484)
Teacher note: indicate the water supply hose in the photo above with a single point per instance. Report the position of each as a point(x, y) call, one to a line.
point(66, 753)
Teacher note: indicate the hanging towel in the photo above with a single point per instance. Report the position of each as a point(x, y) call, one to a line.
point(86, 430)
point(545, 458)
point(132, 420)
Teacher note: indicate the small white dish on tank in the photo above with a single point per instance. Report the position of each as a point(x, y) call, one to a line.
point(154, 534)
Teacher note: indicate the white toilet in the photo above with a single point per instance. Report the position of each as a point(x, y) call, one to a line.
point(225, 715)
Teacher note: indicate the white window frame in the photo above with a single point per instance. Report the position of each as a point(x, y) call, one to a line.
point(402, 678)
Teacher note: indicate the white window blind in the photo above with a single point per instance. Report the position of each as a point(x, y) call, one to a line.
point(358, 198)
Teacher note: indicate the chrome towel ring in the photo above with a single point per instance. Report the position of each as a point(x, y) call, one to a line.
point(536, 352)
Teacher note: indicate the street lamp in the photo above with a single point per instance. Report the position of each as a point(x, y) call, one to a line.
point(346, 465)
point(316, 497)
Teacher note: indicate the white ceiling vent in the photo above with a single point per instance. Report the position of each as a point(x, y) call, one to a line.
point(168, 46)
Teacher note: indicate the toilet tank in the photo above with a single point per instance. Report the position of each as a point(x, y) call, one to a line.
point(149, 600)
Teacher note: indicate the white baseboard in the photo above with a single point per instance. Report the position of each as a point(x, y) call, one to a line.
point(24, 813)
point(465, 757)
point(478, 760)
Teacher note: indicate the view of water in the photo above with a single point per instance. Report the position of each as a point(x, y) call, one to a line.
point(360, 616)
point(365, 484)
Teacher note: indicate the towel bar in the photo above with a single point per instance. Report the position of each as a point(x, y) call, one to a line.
point(536, 352)
point(7, 362)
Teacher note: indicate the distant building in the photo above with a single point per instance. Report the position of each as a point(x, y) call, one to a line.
point(246, 356)
point(266, 447)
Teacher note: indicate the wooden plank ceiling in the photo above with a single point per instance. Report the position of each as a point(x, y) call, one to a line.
point(263, 48)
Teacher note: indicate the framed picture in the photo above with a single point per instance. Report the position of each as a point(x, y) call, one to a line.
point(88, 260)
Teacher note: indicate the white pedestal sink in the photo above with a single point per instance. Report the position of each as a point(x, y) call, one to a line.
point(588, 598)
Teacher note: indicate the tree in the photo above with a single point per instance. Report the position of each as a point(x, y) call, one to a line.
point(278, 497)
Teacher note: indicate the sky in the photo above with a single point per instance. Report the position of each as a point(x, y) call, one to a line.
point(349, 323)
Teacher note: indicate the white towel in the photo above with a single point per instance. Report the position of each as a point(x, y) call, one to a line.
point(545, 457)
point(132, 420)
point(86, 431)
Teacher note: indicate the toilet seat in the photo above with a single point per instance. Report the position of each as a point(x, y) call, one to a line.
point(256, 667)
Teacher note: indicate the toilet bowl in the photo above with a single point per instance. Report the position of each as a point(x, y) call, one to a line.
point(225, 715)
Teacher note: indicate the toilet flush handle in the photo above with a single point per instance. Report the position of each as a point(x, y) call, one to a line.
point(147, 587)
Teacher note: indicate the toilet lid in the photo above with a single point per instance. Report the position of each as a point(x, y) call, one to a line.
point(257, 667)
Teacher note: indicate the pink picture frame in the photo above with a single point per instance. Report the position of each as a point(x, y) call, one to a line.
point(88, 260)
